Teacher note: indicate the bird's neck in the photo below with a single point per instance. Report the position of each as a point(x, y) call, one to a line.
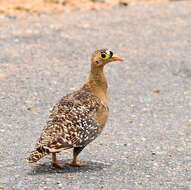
point(98, 83)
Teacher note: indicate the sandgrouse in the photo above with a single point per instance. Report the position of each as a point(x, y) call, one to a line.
point(79, 117)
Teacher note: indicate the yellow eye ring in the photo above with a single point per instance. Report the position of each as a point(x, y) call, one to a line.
point(105, 56)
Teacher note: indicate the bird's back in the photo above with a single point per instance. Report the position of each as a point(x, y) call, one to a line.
point(72, 121)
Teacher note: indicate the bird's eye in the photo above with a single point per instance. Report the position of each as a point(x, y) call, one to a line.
point(105, 56)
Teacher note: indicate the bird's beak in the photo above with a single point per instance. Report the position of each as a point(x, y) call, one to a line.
point(116, 59)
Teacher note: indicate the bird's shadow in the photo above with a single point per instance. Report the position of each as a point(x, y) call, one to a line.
point(47, 168)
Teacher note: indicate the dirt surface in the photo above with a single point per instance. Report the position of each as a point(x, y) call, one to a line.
point(22, 7)
point(146, 143)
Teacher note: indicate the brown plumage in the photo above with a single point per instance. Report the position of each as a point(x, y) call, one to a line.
point(79, 117)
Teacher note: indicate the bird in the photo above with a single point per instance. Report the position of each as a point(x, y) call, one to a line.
point(79, 117)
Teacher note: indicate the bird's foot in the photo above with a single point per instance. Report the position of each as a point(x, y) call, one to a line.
point(77, 164)
point(58, 165)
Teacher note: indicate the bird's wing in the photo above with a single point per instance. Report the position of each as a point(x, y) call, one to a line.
point(71, 123)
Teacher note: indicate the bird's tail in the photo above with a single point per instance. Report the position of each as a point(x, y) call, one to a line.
point(37, 154)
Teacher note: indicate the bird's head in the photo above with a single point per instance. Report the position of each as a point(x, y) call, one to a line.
point(102, 57)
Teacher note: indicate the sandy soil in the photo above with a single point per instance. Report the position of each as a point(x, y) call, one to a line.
point(19, 7)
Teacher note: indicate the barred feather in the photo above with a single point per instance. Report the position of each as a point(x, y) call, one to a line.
point(37, 154)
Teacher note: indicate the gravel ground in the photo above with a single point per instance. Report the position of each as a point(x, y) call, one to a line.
point(146, 143)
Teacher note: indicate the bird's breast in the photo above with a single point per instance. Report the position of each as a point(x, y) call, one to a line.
point(101, 116)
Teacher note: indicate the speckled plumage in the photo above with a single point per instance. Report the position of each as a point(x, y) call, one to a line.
point(77, 119)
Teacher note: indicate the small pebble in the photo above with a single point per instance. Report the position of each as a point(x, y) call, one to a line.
point(156, 91)
point(130, 121)
point(123, 3)
point(99, 1)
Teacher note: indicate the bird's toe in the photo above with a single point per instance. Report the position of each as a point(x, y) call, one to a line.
point(77, 164)
point(58, 165)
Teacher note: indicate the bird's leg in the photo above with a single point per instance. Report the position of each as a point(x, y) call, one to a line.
point(55, 162)
point(76, 151)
